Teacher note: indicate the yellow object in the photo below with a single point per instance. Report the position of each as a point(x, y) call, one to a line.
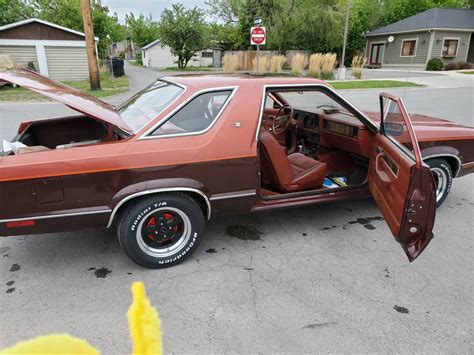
point(52, 344)
point(145, 326)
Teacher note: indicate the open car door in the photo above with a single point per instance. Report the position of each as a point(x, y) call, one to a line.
point(401, 184)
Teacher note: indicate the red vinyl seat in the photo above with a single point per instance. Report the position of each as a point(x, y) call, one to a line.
point(295, 172)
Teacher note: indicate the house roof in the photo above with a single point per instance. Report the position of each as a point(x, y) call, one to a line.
point(438, 18)
point(34, 19)
point(149, 45)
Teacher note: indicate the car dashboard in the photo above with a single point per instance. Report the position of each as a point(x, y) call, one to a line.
point(333, 128)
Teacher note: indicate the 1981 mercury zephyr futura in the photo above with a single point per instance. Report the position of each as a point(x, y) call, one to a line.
point(188, 148)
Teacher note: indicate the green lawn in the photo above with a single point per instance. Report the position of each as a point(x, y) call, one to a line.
point(109, 86)
point(371, 84)
point(468, 72)
point(187, 69)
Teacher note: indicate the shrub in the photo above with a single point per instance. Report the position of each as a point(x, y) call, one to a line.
point(230, 63)
point(276, 63)
point(358, 62)
point(451, 66)
point(328, 64)
point(314, 67)
point(464, 65)
point(434, 64)
point(262, 64)
point(298, 63)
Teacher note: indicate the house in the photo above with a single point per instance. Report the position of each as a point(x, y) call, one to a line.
point(53, 50)
point(156, 55)
point(436, 33)
point(126, 47)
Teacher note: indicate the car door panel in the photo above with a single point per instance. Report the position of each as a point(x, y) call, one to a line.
point(401, 184)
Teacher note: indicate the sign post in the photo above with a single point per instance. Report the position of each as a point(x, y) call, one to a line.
point(258, 37)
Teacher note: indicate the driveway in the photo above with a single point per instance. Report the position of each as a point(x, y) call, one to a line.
point(326, 278)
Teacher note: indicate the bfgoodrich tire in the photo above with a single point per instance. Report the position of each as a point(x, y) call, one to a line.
point(443, 176)
point(162, 230)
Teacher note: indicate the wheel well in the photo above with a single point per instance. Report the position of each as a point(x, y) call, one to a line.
point(200, 200)
point(453, 162)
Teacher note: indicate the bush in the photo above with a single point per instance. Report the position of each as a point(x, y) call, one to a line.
point(358, 62)
point(276, 63)
point(451, 66)
point(298, 63)
point(434, 64)
point(464, 65)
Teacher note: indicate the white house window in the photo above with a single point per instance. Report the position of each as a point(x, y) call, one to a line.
point(408, 48)
point(450, 47)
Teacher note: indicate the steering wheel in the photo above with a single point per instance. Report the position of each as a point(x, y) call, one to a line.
point(281, 122)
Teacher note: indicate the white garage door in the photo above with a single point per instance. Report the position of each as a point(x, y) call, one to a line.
point(67, 63)
point(21, 54)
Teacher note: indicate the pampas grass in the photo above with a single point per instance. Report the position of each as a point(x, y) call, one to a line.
point(276, 63)
point(230, 63)
point(328, 64)
point(358, 62)
point(298, 63)
point(314, 67)
point(262, 64)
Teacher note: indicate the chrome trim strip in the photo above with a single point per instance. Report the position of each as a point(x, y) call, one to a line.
point(59, 215)
point(149, 192)
point(228, 195)
point(440, 155)
point(146, 135)
point(315, 85)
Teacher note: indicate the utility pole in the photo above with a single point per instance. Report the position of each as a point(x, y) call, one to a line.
point(90, 45)
point(346, 28)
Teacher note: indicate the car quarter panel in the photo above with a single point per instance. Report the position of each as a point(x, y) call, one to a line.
point(222, 163)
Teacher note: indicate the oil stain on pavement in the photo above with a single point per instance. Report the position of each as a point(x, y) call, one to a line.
point(244, 232)
point(102, 272)
point(401, 309)
point(366, 221)
point(211, 251)
point(15, 267)
point(318, 325)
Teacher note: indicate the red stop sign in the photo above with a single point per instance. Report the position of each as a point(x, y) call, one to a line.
point(258, 35)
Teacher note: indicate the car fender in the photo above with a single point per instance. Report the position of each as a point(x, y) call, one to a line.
point(452, 155)
point(151, 187)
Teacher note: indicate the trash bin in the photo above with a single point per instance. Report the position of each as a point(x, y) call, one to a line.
point(115, 65)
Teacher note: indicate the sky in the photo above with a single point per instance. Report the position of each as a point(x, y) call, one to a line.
point(153, 7)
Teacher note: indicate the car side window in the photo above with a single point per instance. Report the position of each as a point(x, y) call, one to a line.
point(196, 116)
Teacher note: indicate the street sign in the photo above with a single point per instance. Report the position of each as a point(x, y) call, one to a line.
point(257, 21)
point(258, 36)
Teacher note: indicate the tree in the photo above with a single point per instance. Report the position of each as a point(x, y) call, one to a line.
point(183, 31)
point(143, 30)
point(14, 10)
point(67, 13)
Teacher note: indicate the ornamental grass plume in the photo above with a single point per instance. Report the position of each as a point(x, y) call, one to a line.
point(314, 67)
point(358, 62)
point(262, 64)
point(298, 63)
point(276, 63)
point(230, 63)
point(328, 64)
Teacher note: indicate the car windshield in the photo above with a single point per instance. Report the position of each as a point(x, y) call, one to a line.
point(148, 104)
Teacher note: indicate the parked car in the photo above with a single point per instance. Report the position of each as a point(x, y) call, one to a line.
point(188, 148)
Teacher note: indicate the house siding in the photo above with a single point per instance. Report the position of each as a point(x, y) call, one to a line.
point(67, 63)
point(21, 54)
point(392, 50)
point(463, 45)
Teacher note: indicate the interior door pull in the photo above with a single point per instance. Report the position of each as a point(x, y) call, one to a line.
point(382, 175)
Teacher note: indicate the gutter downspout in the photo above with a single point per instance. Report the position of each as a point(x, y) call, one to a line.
point(430, 46)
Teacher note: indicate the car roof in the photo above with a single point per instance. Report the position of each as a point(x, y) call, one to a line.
point(207, 81)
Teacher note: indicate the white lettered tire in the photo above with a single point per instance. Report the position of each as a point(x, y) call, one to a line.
point(161, 230)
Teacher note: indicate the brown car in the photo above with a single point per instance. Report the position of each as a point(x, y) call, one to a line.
point(188, 148)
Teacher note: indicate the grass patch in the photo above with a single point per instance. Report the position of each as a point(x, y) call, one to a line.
point(468, 72)
point(109, 86)
point(188, 69)
point(371, 84)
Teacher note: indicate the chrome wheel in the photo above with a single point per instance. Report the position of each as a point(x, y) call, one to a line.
point(441, 180)
point(163, 232)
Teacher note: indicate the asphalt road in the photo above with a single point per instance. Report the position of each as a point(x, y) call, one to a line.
point(308, 281)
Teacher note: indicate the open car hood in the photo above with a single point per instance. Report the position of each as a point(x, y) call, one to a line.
point(73, 98)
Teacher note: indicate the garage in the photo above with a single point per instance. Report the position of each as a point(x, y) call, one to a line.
point(55, 51)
